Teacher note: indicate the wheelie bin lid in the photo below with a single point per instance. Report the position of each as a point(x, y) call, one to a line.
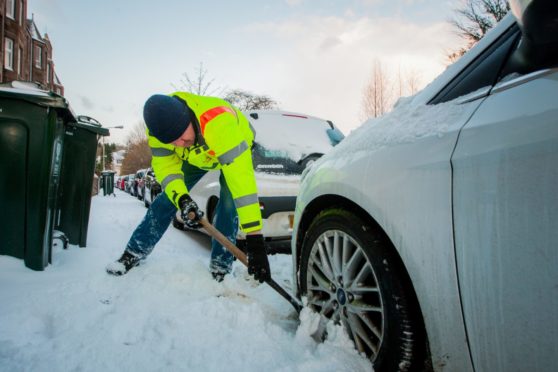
point(90, 124)
point(39, 97)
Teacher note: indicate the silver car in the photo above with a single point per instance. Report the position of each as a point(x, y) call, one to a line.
point(431, 234)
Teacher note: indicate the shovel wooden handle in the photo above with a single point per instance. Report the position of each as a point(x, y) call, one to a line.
point(211, 230)
point(217, 235)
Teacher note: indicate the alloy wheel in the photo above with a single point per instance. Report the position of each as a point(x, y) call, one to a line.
point(341, 284)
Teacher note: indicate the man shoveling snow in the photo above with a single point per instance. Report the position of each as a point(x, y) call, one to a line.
point(190, 135)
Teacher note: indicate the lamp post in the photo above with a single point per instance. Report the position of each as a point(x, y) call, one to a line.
point(103, 159)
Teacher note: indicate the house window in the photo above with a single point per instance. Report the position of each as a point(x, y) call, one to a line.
point(9, 54)
point(48, 73)
point(38, 56)
point(21, 12)
point(19, 61)
point(10, 9)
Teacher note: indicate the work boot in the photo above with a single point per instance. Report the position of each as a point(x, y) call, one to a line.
point(124, 264)
point(217, 271)
point(219, 277)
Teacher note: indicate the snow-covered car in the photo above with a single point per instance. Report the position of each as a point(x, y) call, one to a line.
point(151, 188)
point(430, 234)
point(285, 144)
point(122, 183)
point(139, 183)
point(130, 184)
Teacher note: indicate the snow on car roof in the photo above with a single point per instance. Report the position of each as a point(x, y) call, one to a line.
point(405, 124)
point(294, 134)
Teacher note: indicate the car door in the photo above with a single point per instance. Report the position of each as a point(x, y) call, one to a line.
point(505, 205)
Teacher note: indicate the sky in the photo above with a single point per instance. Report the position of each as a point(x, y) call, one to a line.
point(311, 56)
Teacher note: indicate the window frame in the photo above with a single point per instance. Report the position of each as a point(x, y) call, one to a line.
point(38, 57)
point(8, 54)
point(20, 13)
point(19, 61)
point(10, 9)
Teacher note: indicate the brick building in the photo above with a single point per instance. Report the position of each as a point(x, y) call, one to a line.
point(25, 54)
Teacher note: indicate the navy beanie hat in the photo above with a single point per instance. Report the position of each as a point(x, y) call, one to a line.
point(166, 117)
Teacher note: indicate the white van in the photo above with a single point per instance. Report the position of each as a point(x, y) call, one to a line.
point(285, 144)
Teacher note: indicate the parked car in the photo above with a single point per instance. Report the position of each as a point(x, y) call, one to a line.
point(139, 183)
point(285, 144)
point(151, 188)
point(122, 183)
point(430, 234)
point(130, 184)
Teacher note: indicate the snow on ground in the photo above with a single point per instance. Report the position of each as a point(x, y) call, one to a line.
point(168, 314)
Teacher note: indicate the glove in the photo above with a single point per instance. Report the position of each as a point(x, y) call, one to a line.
point(187, 205)
point(258, 265)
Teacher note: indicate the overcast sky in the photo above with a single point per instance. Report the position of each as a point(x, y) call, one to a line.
point(311, 56)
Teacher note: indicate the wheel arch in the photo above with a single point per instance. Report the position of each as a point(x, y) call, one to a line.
point(322, 203)
point(331, 201)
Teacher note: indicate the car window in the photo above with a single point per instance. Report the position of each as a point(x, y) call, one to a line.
point(274, 161)
point(285, 142)
point(483, 71)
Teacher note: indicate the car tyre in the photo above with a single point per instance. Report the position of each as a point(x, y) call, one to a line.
point(350, 272)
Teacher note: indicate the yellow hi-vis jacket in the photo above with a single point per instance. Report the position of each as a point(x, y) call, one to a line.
point(224, 138)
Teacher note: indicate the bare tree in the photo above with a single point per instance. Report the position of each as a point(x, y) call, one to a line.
point(247, 101)
point(377, 92)
point(137, 133)
point(138, 153)
point(138, 156)
point(413, 81)
point(199, 84)
point(474, 19)
point(408, 82)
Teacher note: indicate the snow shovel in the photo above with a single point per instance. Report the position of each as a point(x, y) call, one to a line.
point(241, 256)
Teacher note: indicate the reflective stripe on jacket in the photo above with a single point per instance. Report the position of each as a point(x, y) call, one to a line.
point(224, 138)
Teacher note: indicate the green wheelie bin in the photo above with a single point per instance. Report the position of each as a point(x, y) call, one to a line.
point(107, 178)
point(32, 128)
point(78, 169)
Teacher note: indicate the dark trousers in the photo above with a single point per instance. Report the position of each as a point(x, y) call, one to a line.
point(161, 212)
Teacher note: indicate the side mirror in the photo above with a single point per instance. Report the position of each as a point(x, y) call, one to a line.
point(538, 21)
point(335, 136)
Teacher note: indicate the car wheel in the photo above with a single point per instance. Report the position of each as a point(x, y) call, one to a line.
point(349, 272)
point(145, 203)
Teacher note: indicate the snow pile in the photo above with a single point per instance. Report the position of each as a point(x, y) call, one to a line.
point(167, 314)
